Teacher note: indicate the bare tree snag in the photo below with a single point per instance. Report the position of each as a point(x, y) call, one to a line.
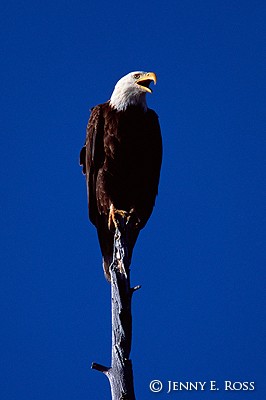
point(120, 374)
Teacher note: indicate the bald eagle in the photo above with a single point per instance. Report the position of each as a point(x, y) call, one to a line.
point(121, 159)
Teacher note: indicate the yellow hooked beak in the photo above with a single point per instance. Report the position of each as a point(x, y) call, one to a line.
point(145, 80)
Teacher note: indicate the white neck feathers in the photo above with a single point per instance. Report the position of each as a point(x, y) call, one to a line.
point(123, 97)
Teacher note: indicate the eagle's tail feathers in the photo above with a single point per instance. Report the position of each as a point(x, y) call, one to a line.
point(107, 261)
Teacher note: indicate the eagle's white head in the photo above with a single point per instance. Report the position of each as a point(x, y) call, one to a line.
point(132, 89)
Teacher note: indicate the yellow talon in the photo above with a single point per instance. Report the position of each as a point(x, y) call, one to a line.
point(112, 221)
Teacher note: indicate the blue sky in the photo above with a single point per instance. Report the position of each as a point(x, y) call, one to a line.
point(200, 314)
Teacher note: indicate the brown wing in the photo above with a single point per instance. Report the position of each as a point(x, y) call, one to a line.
point(92, 158)
point(152, 165)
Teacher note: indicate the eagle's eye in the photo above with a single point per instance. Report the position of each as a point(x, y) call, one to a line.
point(136, 76)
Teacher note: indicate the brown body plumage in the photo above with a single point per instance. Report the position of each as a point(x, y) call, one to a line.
point(121, 159)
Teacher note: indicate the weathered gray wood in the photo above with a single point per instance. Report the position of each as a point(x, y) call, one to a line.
point(120, 374)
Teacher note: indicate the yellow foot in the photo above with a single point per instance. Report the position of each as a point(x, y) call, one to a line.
point(112, 220)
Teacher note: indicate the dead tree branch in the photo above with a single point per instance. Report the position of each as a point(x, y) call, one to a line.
point(120, 374)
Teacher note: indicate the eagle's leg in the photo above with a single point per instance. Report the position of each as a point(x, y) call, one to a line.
point(133, 218)
point(113, 221)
